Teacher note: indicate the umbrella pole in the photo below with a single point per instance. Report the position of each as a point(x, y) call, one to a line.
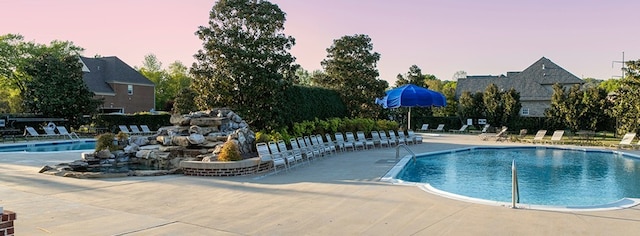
point(409, 121)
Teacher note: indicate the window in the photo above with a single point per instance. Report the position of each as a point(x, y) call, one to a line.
point(524, 112)
point(130, 89)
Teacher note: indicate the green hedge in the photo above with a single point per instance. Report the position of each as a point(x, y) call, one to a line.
point(310, 103)
point(333, 125)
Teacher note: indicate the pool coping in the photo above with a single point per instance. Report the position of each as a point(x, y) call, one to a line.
point(623, 203)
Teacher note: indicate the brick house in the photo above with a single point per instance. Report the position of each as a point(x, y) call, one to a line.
point(123, 89)
point(535, 85)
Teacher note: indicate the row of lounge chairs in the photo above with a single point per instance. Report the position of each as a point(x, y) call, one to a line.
point(134, 130)
point(440, 128)
point(50, 132)
point(308, 148)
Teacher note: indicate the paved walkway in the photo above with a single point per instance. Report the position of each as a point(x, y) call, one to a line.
point(338, 195)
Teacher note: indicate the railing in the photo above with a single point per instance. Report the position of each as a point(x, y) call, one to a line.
point(413, 155)
point(515, 191)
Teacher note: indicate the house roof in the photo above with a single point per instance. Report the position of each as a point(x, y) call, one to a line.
point(105, 70)
point(531, 82)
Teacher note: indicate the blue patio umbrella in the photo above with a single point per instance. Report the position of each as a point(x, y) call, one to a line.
point(411, 95)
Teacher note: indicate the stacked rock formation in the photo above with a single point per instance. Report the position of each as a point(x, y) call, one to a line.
point(200, 135)
point(197, 136)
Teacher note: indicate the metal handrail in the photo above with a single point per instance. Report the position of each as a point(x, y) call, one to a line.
point(515, 190)
point(413, 155)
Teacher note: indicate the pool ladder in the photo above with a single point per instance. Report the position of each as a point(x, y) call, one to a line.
point(413, 155)
point(515, 190)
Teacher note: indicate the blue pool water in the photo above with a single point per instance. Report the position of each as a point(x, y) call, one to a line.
point(50, 147)
point(547, 176)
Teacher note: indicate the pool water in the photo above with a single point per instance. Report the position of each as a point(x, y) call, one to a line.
point(50, 147)
point(547, 176)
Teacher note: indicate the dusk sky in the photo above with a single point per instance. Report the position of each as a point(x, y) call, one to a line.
point(584, 37)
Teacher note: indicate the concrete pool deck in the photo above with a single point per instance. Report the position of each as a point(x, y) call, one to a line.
point(336, 195)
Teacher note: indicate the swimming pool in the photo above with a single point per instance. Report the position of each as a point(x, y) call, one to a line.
point(53, 146)
point(547, 176)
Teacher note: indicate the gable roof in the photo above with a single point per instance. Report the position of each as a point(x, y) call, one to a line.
point(530, 82)
point(105, 70)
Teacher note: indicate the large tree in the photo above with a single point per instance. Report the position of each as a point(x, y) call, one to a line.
point(578, 108)
point(15, 54)
point(168, 83)
point(493, 104)
point(627, 104)
point(351, 68)
point(245, 63)
point(56, 88)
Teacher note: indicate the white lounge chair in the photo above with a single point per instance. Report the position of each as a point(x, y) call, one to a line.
point(146, 130)
point(412, 135)
point(306, 154)
point(626, 141)
point(63, 131)
point(344, 142)
point(329, 146)
point(440, 128)
point(392, 136)
point(276, 149)
point(30, 131)
point(335, 144)
point(383, 136)
point(265, 155)
point(462, 129)
point(367, 142)
point(556, 138)
point(352, 139)
point(424, 128)
point(500, 136)
point(124, 129)
point(50, 131)
point(406, 139)
point(538, 138)
point(375, 136)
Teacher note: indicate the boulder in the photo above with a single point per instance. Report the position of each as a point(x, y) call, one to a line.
point(180, 120)
point(164, 140)
point(131, 148)
point(196, 139)
point(206, 122)
point(104, 154)
point(180, 141)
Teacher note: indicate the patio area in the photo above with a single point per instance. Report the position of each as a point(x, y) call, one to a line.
point(337, 195)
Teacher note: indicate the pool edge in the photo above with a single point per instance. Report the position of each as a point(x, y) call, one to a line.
point(623, 203)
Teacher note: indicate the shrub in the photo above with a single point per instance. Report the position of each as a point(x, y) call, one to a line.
point(105, 141)
point(229, 152)
point(262, 137)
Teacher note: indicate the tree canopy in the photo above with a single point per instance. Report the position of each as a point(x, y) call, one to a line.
point(15, 55)
point(56, 88)
point(627, 104)
point(245, 62)
point(168, 83)
point(351, 69)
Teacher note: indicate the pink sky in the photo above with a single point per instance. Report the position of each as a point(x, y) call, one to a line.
point(441, 37)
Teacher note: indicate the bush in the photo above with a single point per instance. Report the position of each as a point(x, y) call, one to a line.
point(262, 137)
point(229, 152)
point(105, 141)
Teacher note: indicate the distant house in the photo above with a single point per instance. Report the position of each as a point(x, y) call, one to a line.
point(534, 84)
point(123, 89)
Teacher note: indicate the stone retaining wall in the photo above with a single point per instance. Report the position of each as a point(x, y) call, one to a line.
point(221, 168)
point(6, 225)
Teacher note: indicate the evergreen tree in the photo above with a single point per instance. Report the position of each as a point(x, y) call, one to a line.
point(56, 89)
point(245, 63)
point(351, 70)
